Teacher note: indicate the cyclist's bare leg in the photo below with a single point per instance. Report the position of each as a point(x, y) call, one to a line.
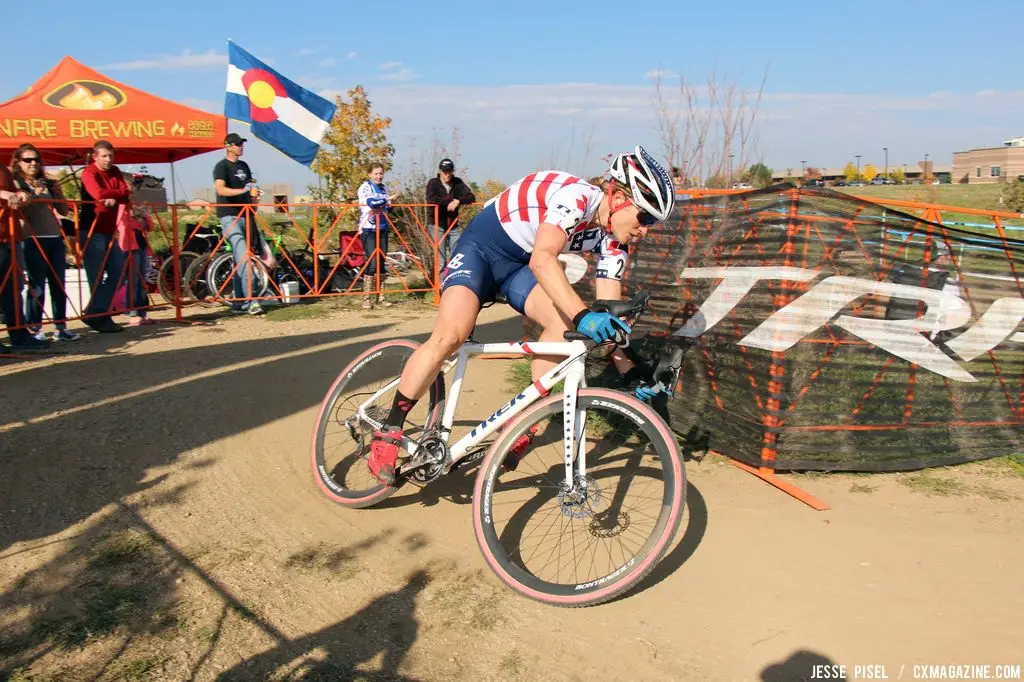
point(541, 309)
point(456, 317)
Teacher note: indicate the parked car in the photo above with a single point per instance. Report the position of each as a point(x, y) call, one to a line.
point(742, 185)
point(814, 182)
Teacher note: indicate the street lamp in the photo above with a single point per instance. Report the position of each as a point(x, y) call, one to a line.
point(802, 171)
point(858, 165)
point(886, 150)
point(927, 171)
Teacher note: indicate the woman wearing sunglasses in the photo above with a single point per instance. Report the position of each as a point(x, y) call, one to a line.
point(44, 243)
point(512, 246)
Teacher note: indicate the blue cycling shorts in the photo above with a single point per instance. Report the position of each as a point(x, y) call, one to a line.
point(486, 261)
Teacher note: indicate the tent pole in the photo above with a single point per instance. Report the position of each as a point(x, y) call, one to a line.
point(174, 185)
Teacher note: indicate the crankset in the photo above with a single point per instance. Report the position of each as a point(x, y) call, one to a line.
point(429, 462)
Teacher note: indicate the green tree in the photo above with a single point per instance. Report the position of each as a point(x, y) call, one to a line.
point(869, 173)
point(850, 171)
point(759, 175)
point(1013, 196)
point(898, 176)
point(356, 138)
point(716, 181)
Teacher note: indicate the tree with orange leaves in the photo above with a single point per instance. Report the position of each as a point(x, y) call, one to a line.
point(356, 138)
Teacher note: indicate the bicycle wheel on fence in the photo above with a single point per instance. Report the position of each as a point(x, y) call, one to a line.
point(195, 281)
point(578, 549)
point(219, 274)
point(165, 279)
point(341, 441)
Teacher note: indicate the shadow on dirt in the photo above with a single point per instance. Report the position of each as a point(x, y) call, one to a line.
point(122, 602)
point(802, 666)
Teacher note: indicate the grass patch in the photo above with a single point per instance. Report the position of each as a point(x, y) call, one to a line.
point(519, 376)
point(303, 311)
point(512, 664)
point(138, 669)
point(100, 615)
point(124, 547)
point(863, 488)
point(933, 485)
point(1013, 464)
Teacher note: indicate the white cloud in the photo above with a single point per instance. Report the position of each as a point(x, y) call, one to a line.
point(306, 51)
point(351, 55)
point(390, 65)
point(399, 75)
point(172, 62)
point(660, 73)
point(327, 63)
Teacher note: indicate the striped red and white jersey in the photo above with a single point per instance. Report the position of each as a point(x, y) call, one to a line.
point(564, 200)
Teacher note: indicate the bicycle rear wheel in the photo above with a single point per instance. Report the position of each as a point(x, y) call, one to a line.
point(572, 548)
point(165, 279)
point(341, 441)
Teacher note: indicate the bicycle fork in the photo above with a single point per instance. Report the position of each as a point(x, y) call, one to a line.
point(573, 437)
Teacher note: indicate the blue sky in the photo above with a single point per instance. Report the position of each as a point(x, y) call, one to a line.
point(532, 84)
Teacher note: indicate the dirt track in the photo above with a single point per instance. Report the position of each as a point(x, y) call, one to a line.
point(159, 521)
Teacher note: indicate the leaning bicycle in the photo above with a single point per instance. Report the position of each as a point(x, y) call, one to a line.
point(579, 492)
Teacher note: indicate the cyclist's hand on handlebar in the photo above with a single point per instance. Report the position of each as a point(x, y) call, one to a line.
point(601, 326)
point(646, 392)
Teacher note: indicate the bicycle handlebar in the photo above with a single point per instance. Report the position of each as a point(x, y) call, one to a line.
point(631, 309)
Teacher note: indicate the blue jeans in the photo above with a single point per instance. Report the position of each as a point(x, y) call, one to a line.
point(136, 294)
point(44, 264)
point(234, 228)
point(94, 251)
point(448, 243)
point(10, 293)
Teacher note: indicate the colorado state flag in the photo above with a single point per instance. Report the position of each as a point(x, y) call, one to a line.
point(279, 112)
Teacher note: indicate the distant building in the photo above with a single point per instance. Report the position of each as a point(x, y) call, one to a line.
point(912, 173)
point(990, 164)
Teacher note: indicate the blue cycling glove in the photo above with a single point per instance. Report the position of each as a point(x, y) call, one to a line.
point(646, 392)
point(600, 327)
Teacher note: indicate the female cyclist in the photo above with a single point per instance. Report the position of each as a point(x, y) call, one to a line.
point(511, 246)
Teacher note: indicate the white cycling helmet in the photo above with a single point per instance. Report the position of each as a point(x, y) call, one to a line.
point(652, 188)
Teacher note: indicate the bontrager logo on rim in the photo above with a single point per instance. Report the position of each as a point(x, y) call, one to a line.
point(86, 95)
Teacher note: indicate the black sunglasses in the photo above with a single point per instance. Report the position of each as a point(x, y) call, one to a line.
point(645, 218)
point(31, 159)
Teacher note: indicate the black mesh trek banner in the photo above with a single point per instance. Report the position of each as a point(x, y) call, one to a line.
point(824, 332)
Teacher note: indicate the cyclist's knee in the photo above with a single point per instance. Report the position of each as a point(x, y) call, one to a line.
point(448, 338)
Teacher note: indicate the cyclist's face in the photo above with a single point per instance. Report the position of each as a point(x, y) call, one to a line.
point(624, 220)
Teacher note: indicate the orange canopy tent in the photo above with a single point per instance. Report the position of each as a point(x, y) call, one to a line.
point(72, 106)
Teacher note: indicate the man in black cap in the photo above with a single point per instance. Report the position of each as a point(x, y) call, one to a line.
point(448, 193)
point(235, 188)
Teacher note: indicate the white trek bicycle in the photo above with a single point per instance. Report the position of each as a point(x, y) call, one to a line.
point(577, 497)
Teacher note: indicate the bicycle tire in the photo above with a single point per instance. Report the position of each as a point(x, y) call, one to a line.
point(195, 281)
point(166, 276)
point(619, 580)
point(358, 499)
point(222, 266)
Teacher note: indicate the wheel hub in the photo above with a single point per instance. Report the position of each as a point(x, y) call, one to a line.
point(581, 502)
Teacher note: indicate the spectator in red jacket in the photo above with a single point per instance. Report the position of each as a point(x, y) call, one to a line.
point(103, 186)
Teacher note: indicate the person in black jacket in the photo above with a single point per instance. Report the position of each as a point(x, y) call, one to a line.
point(448, 193)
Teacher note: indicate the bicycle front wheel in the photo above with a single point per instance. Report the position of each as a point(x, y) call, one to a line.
point(341, 439)
point(586, 544)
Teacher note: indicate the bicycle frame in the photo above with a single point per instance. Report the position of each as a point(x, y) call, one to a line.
point(571, 370)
